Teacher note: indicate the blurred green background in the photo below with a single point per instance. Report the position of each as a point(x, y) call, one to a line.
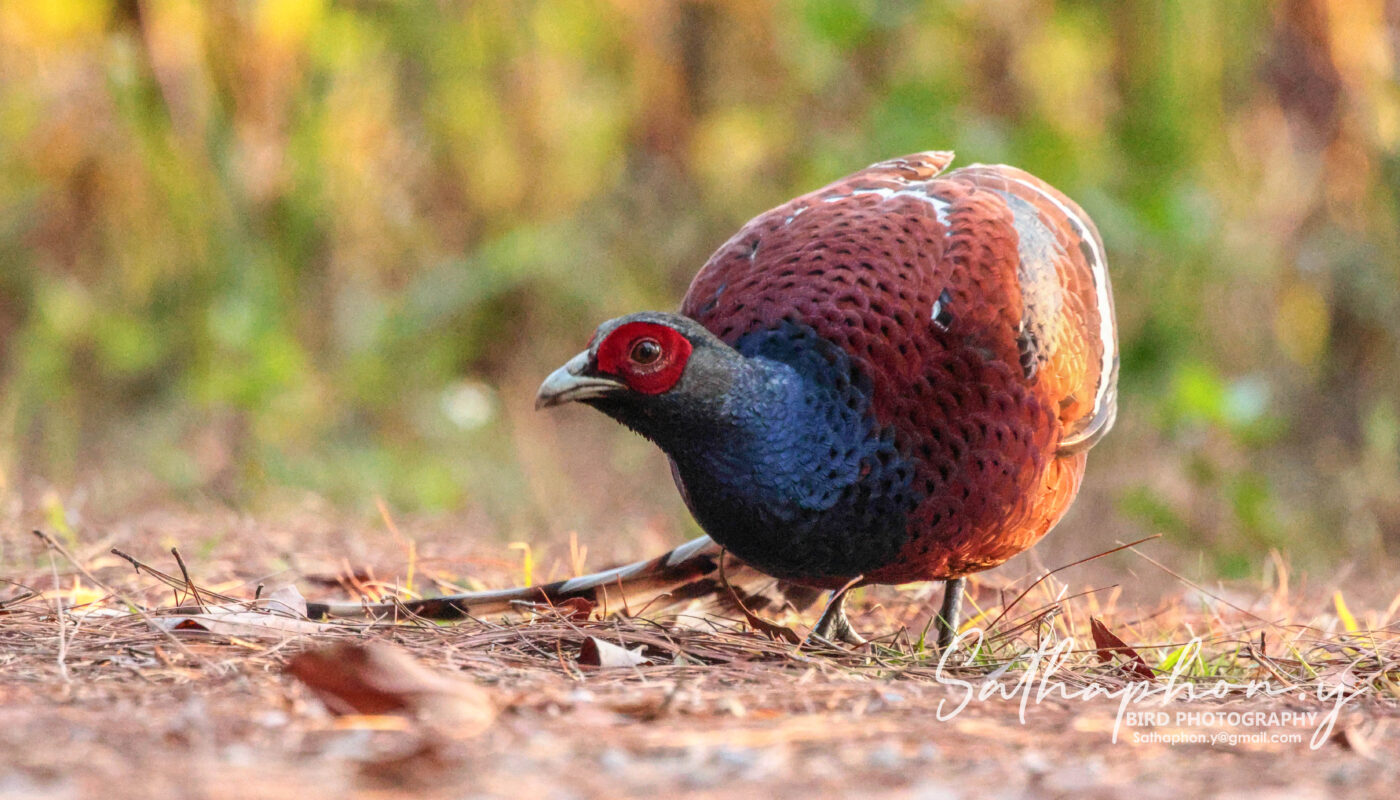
point(249, 249)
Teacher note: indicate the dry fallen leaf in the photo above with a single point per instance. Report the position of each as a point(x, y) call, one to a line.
point(575, 608)
point(598, 653)
point(375, 678)
point(281, 614)
point(1351, 736)
point(774, 631)
point(1108, 643)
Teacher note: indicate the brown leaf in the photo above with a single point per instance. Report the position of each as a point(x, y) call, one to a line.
point(1108, 644)
point(598, 653)
point(776, 632)
point(575, 608)
point(1351, 737)
point(378, 679)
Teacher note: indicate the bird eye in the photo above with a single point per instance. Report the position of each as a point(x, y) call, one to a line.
point(645, 351)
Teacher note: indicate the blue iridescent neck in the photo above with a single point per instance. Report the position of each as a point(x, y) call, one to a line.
point(791, 455)
point(777, 439)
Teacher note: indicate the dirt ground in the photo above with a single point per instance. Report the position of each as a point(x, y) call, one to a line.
point(100, 701)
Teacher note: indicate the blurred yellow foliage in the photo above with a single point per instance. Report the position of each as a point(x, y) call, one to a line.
point(53, 23)
point(261, 244)
point(1301, 323)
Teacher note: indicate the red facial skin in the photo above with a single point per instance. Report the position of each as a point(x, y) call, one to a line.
point(625, 354)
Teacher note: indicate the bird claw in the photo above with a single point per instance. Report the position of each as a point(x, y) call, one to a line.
point(834, 626)
point(842, 634)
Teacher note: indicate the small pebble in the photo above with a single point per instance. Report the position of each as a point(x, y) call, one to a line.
point(614, 760)
point(735, 757)
point(1035, 762)
point(272, 719)
point(928, 753)
point(884, 757)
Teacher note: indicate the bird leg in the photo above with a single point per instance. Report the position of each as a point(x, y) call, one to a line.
point(834, 625)
point(950, 612)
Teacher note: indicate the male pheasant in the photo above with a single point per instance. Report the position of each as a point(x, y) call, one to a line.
point(893, 378)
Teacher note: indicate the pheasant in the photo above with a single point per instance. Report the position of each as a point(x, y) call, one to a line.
point(894, 378)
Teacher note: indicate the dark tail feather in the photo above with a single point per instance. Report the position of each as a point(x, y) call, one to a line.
point(688, 573)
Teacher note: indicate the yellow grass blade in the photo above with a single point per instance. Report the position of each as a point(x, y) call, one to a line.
point(1344, 614)
point(527, 561)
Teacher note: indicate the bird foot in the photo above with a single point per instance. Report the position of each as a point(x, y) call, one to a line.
point(834, 626)
point(843, 636)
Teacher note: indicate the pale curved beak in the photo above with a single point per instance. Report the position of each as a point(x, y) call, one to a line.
point(568, 383)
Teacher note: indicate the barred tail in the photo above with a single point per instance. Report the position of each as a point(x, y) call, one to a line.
point(689, 572)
